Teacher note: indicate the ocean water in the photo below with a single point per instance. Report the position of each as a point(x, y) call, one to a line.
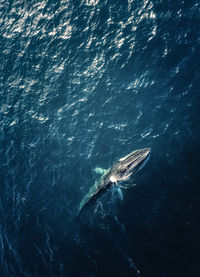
point(82, 84)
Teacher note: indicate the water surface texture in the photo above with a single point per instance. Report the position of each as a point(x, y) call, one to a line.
point(82, 84)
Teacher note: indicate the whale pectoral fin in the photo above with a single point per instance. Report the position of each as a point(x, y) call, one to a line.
point(116, 191)
point(100, 170)
point(120, 194)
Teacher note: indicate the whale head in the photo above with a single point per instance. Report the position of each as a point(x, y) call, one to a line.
point(129, 165)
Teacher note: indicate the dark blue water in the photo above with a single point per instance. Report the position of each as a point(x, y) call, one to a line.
point(82, 84)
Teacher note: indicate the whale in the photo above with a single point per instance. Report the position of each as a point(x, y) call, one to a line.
point(116, 176)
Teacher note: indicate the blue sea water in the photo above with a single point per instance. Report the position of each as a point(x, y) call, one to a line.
point(82, 84)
